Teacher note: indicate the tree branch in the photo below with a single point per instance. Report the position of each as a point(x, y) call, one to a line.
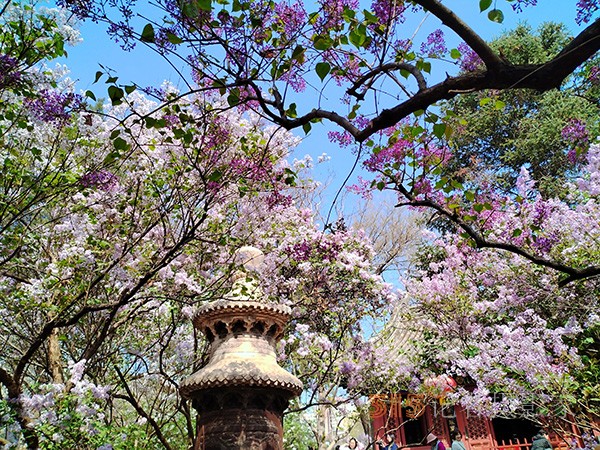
point(541, 77)
point(421, 82)
point(133, 402)
point(480, 241)
point(491, 60)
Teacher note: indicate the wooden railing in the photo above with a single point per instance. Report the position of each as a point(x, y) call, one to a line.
point(514, 444)
point(525, 444)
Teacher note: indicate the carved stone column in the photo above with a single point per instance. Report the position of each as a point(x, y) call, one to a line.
point(241, 393)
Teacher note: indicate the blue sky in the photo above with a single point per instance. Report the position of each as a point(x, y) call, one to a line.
point(146, 68)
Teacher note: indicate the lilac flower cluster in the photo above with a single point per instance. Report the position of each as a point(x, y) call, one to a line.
point(81, 8)
point(122, 33)
point(519, 4)
point(326, 251)
point(362, 187)
point(388, 11)
point(294, 79)
point(9, 74)
point(470, 60)
point(343, 138)
point(388, 155)
point(545, 243)
point(576, 134)
point(292, 17)
point(332, 18)
point(434, 46)
point(277, 199)
point(53, 106)
point(251, 170)
point(585, 9)
point(103, 180)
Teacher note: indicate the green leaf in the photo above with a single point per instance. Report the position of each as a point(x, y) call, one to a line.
point(129, 89)
point(148, 33)
point(233, 98)
point(98, 76)
point(484, 101)
point(298, 53)
point(454, 53)
point(322, 69)
point(323, 43)
point(358, 36)
point(439, 129)
point(499, 104)
point(517, 232)
point(120, 144)
point(216, 175)
point(470, 195)
point(495, 15)
point(116, 95)
point(90, 94)
point(205, 5)
point(484, 4)
point(291, 112)
point(111, 157)
point(307, 127)
point(174, 39)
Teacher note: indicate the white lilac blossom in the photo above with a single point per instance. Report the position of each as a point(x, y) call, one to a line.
point(508, 325)
point(136, 243)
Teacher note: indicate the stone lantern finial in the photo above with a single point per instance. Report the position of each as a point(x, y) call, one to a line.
point(241, 393)
point(245, 284)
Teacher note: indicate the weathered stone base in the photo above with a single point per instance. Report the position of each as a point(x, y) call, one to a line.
point(245, 419)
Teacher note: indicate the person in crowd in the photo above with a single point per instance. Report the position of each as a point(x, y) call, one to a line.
point(353, 444)
point(389, 443)
point(435, 443)
point(457, 443)
point(540, 441)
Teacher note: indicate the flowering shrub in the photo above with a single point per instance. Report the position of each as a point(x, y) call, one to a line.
point(118, 227)
point(518, 339)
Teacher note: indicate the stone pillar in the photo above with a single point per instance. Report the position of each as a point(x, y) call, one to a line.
point(241, 393)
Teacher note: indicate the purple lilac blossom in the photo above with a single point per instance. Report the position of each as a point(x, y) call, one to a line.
point(292, 17)
point(575, 132)
point(518, 6)
point(294, 80)
point(434, 46)
point(388, 10)
point(585, 9)
point(53, 106)
point(343, 138)
point(9, 74)
point(332, 13)
point(525, 183)
point(545, 243)
point(362, 188)
point(388, 155)
point(103, 180)
point(470, 60)
point(83, 9)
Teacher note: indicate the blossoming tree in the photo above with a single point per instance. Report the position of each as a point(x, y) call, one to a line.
point(264, 55)
point(115, 225)
point(521, 344)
